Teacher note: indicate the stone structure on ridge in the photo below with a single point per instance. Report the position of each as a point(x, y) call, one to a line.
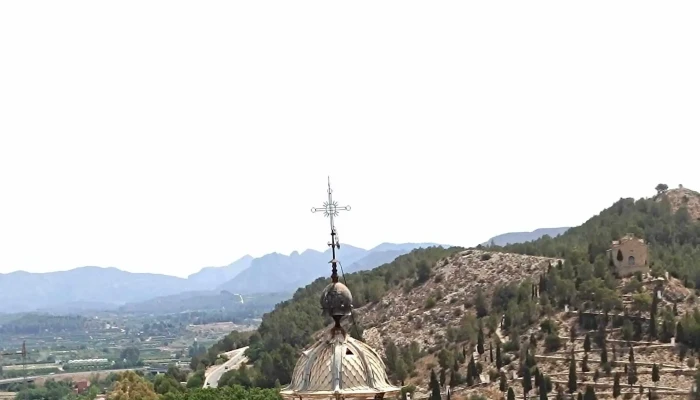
point(629, 255)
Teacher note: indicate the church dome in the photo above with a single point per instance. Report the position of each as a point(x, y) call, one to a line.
point(341, 367)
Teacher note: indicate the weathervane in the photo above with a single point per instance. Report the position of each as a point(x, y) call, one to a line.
point(330, 209)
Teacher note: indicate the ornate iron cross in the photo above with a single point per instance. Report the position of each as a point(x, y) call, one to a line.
point(331, 209)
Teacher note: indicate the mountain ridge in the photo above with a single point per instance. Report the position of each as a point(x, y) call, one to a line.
point(298, 270)
point(89, 288)
point(521, 237)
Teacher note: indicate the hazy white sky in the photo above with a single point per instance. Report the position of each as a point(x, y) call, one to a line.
point(165, 136)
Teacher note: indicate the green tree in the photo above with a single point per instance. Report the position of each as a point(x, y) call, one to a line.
point(655, 376)
point(434, 386)
point(603, 354)
point(165, 383)
point(587, 343)
point(503, 384)
point(584, 364)
point(590, 394)
point(661, 187)
point(480, 304)
point(196, 380)
point(543, 394)
point(631, 374)
point(527, 381)
point(130, 355)
point(480, 341)
point(499, 359)
point(572, 385)
point(401, 371)
point(131, 386)
point(445, 359)
point(423, 271)
point(511, 394)
point(391, 353)
point(471, 369)
point(617, 390)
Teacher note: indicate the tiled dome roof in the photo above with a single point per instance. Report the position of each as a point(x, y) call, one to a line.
point(339, 366)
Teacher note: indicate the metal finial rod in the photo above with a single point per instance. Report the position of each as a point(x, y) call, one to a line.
point(330, 209)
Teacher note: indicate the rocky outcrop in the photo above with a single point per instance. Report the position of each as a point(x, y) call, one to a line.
point(407, 314)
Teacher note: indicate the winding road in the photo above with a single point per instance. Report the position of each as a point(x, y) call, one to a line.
point(236, 358)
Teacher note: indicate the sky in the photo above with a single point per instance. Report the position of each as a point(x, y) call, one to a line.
point(166, 136)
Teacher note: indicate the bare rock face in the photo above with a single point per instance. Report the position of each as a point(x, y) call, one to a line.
point(373, 338)
point(408, 314)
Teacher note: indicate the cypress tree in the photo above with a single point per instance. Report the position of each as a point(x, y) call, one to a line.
point(632, 374)
point(580, 396)
point(443, 377)
point(587, 343)
point(480, 342)
point(652, 326)
point(538, 378)
point(471, 368)
point(631, 354)
point(604, 354)
point(491, 352)
point(590, 394)
point(527, 381)
point(455, 377)
point(617, 390)
point(499, 359)
point(680, 336)
point(511, 394)
point(655, 376)
point(572, 385)
point(543, 392)
point(434, 386)
point(503, 384)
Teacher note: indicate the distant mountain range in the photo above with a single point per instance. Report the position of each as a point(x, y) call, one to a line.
point(279, 273)
point(94, 288)
point(522, 237)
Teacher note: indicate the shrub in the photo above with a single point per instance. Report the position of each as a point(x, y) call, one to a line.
point(552, 342)
point(430, 303)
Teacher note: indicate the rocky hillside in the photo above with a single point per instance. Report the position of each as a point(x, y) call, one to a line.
point(683, 197)
point(450, 312)
point(421, 313)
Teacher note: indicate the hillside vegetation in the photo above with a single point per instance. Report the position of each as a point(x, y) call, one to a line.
point(290, 326)
point(671, 232)
point(434, 308)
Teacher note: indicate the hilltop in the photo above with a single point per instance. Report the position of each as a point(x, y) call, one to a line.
point(682, 198)
point(431, 308)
